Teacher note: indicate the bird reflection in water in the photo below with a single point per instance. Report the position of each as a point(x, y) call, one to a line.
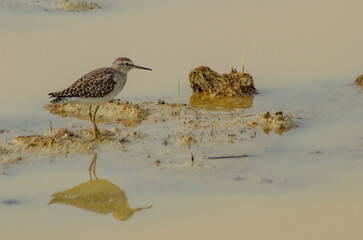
point(97, 195)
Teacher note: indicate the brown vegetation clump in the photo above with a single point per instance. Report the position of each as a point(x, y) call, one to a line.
point(205, 80)
point(359, 80)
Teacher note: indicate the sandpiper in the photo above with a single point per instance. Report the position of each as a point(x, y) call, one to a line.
point(97, 87)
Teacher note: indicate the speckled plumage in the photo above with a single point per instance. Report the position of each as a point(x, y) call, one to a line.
point(95, 84)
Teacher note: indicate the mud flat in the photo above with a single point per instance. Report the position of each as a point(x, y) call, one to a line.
point(48, 5)
point(75, 6)
point(122, 128)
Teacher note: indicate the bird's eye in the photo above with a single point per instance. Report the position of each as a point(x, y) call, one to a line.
point(127, 64)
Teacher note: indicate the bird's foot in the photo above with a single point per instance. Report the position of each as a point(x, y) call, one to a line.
point(96, 132)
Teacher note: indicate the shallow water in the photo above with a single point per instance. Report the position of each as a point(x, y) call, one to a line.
point(305, 184)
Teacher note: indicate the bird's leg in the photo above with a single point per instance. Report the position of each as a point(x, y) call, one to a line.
point(94, 123)
point(91, 119)
point(94, 118)
point(90, 113)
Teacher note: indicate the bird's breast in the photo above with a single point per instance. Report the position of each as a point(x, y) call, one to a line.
point(120, 80)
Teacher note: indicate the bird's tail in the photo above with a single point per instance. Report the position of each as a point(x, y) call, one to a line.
point(57, 97)
point(58, 100)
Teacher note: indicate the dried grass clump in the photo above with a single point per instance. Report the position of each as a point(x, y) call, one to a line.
point(359, 80)
point(205, 80)
point(75, 6)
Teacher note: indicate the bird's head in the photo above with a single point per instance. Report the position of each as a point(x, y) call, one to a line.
point(124, 64)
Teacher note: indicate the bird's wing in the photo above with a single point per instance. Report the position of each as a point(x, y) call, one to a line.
point(97, 83)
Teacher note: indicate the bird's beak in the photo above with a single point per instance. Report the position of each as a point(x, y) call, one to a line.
point(139, 67)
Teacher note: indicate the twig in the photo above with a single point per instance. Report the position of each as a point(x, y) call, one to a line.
point(50, 127)
point(243, 63)
point(224, 157)
point(178, 95)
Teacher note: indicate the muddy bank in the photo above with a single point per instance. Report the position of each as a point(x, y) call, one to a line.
point(163, 123)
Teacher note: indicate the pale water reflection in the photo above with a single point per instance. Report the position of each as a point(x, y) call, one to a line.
point(97, 195)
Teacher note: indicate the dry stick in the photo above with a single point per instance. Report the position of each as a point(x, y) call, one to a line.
point(223, 157)
point(50, 127)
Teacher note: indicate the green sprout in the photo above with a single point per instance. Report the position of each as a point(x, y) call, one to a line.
point(178, 95)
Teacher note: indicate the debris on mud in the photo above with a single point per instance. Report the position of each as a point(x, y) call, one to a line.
point(279, 123)
point(3, 131)
point(205, 80)
point(229, 157)
point(10, 202)
point(10, 160)
point(157, 163)
point(359, 81)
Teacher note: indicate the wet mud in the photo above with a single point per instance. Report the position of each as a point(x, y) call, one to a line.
point(186, 125)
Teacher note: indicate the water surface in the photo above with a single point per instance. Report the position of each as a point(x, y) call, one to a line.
point(304, 57)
